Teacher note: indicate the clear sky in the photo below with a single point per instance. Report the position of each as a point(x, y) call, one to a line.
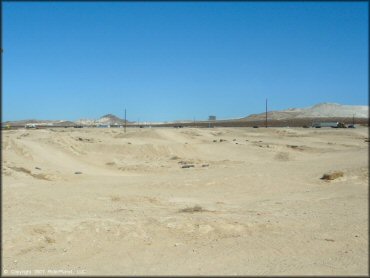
point(176, 60)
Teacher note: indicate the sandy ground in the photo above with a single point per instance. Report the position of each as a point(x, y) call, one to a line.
point(251, 205)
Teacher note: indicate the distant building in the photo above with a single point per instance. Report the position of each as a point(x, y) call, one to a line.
point(103, 125)
point(211, 118)
point(30, 126)
point(328, 124)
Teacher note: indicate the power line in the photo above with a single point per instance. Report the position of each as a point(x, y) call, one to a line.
point(125, 120)
point(266, 115)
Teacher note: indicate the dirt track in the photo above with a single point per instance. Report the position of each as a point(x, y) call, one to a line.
point(100, 201)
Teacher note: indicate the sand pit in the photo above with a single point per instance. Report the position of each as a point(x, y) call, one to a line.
point(251, 203)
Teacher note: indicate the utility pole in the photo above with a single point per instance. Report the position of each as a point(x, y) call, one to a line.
point(125, 120)
point(266, 115)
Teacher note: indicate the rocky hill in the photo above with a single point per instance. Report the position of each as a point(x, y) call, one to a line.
point(108, 119)
point(40, 122)
point(321, 110)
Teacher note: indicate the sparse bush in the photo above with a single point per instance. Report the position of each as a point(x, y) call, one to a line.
point(192, 209)
point(332, 176)
point(115, 198)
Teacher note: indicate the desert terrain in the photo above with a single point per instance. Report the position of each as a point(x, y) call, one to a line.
point(187, 201)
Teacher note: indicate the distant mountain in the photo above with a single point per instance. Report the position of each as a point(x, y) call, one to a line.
point(40, 122)
point(108, 119)
point(64, 123)
point(320, 110)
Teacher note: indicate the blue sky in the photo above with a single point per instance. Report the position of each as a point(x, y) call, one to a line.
point(176, 60)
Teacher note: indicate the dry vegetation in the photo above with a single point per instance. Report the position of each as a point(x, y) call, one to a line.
point(192, 209)
point(332, 176)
